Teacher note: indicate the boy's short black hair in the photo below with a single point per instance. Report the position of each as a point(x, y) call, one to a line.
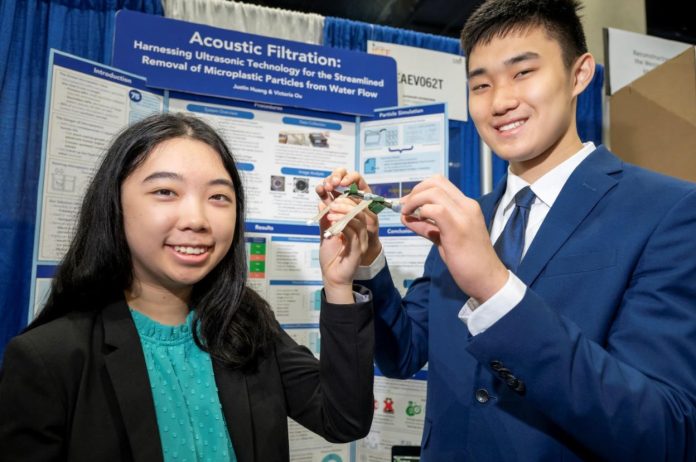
point(497, 18)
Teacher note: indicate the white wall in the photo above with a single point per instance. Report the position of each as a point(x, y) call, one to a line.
point(621, 14)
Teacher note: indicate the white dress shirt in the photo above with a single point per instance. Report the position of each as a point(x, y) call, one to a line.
point(477, 317)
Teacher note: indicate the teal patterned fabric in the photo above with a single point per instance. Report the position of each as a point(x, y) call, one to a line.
point(189, 415)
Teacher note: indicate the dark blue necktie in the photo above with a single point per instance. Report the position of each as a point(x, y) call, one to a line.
point(510, 244)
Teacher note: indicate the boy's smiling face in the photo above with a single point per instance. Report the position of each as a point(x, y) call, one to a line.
point(522, 99)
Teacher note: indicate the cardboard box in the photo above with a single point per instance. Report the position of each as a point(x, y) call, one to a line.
point(653, 119)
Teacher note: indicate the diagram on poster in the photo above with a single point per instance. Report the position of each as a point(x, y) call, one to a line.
point(398, 148)
point(282, 153)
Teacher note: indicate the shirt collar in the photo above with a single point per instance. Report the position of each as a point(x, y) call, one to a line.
point(548, 187)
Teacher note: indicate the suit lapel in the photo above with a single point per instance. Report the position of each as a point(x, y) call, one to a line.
point(589, 182)
point(128, 372)
point(234, 398)
point(489, 202)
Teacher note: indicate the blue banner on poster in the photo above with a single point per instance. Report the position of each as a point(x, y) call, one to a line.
point(195, 58)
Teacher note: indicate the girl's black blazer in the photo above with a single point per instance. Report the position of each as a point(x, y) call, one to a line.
point(77, 389)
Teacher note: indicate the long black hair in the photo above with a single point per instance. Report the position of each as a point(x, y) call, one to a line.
point(235, 323)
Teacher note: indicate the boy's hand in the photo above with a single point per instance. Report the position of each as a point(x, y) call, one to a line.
point(455, 224)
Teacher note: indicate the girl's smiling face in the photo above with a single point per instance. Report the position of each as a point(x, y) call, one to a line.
point(179, 214)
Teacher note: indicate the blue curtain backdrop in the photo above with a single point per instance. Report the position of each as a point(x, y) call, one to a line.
point(464, 142)
point(28, 30)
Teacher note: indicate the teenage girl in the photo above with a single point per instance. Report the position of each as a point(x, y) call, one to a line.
point(151, 346)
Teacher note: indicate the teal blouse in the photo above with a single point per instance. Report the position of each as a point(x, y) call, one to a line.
point(189, 415)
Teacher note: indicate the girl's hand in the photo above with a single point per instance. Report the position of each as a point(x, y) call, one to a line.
point(340, 255)
point(326, 191)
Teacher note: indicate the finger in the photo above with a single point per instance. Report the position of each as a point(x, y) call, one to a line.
point(357, 229)
point(355, 244)
point(326, 192)
point(360, 222)
point(339, 172)
point(423, 228)
point(341, 207)
point(430, 203)
point(355, 177)
point(331, 250)
point(334, 180)
point(322, 217)
point(441, 183)
point(338, 226)
point(333, 211)
point(324, 209)
point(431, 182)
point(320, 189)
point(336, 209)
point(329, 183)
point(442, 205)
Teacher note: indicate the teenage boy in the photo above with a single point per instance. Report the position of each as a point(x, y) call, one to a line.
point(557, 315)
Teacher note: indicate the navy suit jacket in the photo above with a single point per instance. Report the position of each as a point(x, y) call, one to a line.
point(597, 362)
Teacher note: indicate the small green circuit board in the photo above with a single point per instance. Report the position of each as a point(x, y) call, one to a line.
point(377, 204)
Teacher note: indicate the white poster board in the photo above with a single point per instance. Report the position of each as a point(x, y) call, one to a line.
point(399, 417)
point(282, 154)
point(426, 76)
point(629, 55)
point(87, 104)
point(398, 149)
